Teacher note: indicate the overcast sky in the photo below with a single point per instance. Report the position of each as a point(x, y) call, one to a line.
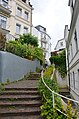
point(52, 14)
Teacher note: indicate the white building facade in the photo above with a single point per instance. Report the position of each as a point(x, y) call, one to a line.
point(72, 45)
point(61, 44)
point(20, 20)
point(44, 40)
point(5, 11)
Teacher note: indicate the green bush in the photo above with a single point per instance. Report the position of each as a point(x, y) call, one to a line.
point(48, 72)
point(47, 110)
point(28, 39)
point(25, 51)
point(60, 63)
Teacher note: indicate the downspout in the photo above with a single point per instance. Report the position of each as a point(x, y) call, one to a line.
point(68, 70)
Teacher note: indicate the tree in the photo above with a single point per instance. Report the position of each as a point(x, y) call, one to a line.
point(29, 39)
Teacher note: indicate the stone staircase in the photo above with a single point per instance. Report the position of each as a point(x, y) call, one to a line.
point(21, 100)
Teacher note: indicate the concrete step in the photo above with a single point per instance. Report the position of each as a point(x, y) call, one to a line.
point(22, 117)
point(63, 90)
point(31, 103)
point(21, 100)
point(35, 75)
point(32, 78)
point(19, 92)
point(19, 111)
point(19, 97)
point(21, 89)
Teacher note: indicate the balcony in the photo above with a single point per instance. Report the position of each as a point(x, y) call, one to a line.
point(3, 29)
point(5, 8)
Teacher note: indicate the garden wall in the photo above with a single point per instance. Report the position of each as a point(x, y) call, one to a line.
point(13, 67)
point(62, 82)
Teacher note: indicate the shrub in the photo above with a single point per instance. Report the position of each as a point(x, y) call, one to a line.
point(28, 39)
point(48, 72)
point(47, 110)
point(60, 63)
point(25, 51)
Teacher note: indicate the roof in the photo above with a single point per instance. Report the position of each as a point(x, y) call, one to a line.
point(40, 26)
point(37, 27)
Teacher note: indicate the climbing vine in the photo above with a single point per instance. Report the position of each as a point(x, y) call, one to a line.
point(60, 62)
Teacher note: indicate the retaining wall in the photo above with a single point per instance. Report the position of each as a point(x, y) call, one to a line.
point(13, 67)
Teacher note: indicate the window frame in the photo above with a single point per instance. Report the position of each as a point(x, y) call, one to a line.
point(19, 28)
point(76, 41)
point(26, 15)
point(26, 30)
point(19, 11)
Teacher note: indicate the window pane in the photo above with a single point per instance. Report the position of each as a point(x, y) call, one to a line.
point(26, 15)
point(18, 28)
point(3, 21)
point(61, 43)
point(75, 38)
point(19, 11)
point(25, 30)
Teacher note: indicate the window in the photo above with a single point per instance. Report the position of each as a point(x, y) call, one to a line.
point(3, 21)
point(71, 51)
point(75, 38)
point(19, 11)
point(6, 1)
point(24, 1)
point(43, 45)
point(61, 43)
point(74, 80)
point(18, 28)
point(26, 14)
point(25, 30)
point(78, 78)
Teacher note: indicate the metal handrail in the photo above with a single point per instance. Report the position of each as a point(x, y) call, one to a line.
point(56, 94)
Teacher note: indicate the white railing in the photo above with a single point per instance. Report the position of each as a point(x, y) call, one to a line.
point(54, 93)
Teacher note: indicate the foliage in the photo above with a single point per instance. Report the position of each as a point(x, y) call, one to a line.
point(38, 53)
point(70, 113)
point(2, 42)
point(28, 39)
point(16, 48)
point(48, 72)
point(60, 62)
point(47, 110)
point(1, 88)
point(25, 51)
point(37, 69)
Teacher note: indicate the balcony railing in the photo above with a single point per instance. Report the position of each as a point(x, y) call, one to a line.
point(3, 25)
point(5, 8)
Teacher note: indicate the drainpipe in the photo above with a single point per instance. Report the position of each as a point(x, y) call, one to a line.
point(68, 70)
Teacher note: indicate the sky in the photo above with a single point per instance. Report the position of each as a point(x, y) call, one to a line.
point(53, 15)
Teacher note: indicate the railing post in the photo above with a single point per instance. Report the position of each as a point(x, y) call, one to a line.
point(53, 99)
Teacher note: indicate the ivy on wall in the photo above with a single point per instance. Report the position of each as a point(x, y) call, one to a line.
point(60, 62)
